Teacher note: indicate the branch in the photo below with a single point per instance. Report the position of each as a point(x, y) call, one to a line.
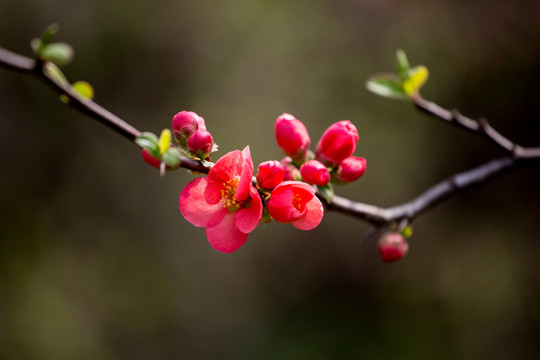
point(517, 155)
point(25, 65)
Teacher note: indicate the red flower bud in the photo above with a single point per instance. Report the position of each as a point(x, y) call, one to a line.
point(392, 247)
point(270, 174)
point(315, 173)
point(291, 172)
point(350, 169)
point(292, 136)
point(337, 143)
point(201, 143)
point(152, 161)
point(184, 124)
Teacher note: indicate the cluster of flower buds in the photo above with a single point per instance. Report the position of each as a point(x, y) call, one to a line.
point(190, 132)
point(229, 204)
point(332, 161)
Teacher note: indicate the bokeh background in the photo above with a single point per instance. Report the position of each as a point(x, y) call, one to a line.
point(96, 261)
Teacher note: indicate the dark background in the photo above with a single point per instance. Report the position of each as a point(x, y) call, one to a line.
point(96, 261)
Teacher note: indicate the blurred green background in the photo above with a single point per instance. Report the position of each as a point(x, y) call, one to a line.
point(96, 261)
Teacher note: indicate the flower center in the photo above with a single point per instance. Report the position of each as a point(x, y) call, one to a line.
point(227, 195)
point(298, 203)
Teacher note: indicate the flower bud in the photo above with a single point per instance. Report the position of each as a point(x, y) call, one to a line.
point(315, 173)
point(291, 172)
point(184, 124)
point(392, 247)
point(292, 136)
point(270, 174)
point(350, 169)
point(150, 160)
point(337, 143)
point(201, 144)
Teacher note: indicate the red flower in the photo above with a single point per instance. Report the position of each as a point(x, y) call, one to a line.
point(350, 169)
point(337, 143)
point(201, 143)
point(295, 202)
point(184, 124)
point(292, 136)
point(392, 247)
point(225, 202)
point(270, 174)
point(315, 173)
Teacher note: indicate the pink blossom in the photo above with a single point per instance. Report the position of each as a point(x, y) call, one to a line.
point(201, 143)
point(295, 202)
point(292, 136)
point(350, 169)
point(337, 143)
point(392, 247)
point(270, 174)
point(184, 124)
point(315, 173)
point(225, 202)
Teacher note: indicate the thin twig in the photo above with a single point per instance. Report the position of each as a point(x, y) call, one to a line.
point(517, 155)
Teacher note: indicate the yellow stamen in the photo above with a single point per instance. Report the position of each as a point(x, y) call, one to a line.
point(227, 195)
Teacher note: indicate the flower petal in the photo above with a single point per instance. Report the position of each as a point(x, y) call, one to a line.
point(228, 167)
point(280, 203)
point(194, 207)
point(242, 190)
point(313, 217)
point(248, 219)
point(225, 236)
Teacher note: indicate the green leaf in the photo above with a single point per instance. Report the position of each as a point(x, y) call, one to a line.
point(386, 85)
point(149, 142)
point(402, 63)
point(164, 141)
point(49, 33)
point(171, 157)
point(407, 231)
point(327, 192)
point(416, 78)
point(84, 89)
point(56, 74)
point(36, 44)
point(58, 53)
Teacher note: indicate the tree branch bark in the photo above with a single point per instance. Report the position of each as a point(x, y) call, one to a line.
point(517, 156)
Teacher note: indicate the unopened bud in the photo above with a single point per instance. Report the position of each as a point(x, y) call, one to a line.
point(201, 144)
point(270, 174)
point(184, 124)
point(291, 172)
point(392, 246)
point(315, 173)
point(292, 136)
point(337, 143)
point(350, 169)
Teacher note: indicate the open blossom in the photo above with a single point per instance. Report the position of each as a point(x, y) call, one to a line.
point(315, 173)
point(295, 202)
point(337, 143)
point(184, 124)
point(270, 174)
point(225, 202)
point(292, 136)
